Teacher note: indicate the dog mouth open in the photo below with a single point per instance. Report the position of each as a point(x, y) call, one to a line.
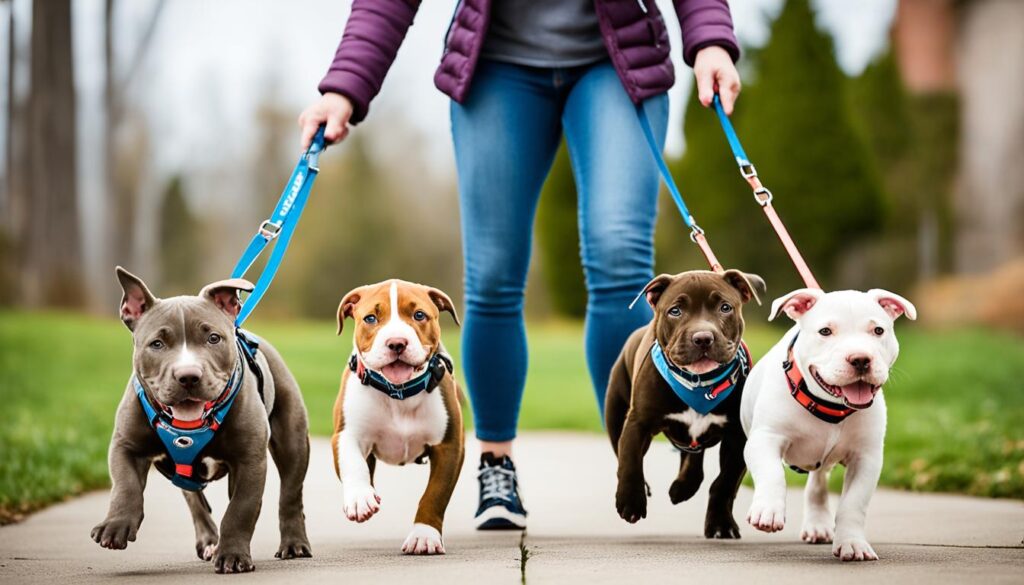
point(702, 366)
point(189, 409)
point(400, 372)
point(857, 394)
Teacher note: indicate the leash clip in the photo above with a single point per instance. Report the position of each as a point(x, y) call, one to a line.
point(747, 170)
point(269, 229)
point(695, 231)
point(763, 196)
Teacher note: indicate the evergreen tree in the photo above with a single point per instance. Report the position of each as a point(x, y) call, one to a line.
point(558, 239)
point(179, 242)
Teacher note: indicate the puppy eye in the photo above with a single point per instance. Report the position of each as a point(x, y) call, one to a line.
point(213, 339)
point(156, 344)
point(726, 308)
point(675, 312)
point(419, 316)
point(370, 319)
point(879, 331)
point(824, 332)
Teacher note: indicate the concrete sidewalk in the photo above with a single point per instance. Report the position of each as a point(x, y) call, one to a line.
point(574, 536)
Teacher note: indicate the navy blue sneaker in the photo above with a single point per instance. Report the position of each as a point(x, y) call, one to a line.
point(500, 505)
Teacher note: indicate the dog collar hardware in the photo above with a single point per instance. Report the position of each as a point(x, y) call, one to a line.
point(439, 365)
point(184, 441)
point(702, 392)
point(829, 412)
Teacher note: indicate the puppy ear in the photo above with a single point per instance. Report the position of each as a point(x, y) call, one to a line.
point(655, 287)
point(224, 294)
point(796, 303)
point(347, 305)
point(136, 298)
point(894, 304)
point(443, 302)
point(748, 284)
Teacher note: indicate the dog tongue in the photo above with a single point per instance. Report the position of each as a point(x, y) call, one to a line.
point(702, 366)
point(188, 410)
point(397, 372)
point(858, 393)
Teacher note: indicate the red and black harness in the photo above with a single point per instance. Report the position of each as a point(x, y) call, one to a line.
point(829, 412)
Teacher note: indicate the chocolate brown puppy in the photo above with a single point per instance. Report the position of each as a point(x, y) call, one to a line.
point(682, 375)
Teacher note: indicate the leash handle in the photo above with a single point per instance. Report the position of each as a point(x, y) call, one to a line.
point(763, 196)
point(696, 233)
point(280, 225)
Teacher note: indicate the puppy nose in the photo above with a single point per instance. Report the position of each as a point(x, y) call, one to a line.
point(860, 363)
point(189, 377)
point(703, 339)
point(397, 344)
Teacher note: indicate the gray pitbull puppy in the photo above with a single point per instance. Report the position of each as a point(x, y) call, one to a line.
point(184, 356)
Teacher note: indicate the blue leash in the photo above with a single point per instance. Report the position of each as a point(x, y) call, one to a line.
point(280, 226)
point(696, 233)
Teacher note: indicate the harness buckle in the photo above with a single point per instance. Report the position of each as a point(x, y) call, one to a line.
point(763, 196)
point(269, 229)
point(747, 170)
point(695, 231)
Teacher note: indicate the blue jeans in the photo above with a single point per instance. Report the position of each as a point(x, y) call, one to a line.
point(506, 135)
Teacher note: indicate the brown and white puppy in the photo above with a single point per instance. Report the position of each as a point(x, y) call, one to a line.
point(698, 323)
point(184, 356)
point(397, 334)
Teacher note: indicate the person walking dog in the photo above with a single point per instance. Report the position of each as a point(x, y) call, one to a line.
point(521, 74)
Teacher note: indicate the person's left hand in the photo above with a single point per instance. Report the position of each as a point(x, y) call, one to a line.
point(715, 71)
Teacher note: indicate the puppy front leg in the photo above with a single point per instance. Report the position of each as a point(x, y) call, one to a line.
point(361, 501)
point(763, 455)
point(245, 490)
point(128, 475)
point(631, 495)
point(818, 524)
point(861, 479)
point(445, 465)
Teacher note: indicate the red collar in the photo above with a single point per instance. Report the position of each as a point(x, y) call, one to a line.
point(829, 412)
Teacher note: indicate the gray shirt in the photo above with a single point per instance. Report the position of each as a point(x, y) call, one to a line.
point(544, 33)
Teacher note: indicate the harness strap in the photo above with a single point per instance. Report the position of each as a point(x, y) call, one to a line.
point(438, 365)
point(829, 412)
point(763, 197)
point(280, 226)
point(696, 233)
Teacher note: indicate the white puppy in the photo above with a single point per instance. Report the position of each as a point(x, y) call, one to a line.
point(806, 404)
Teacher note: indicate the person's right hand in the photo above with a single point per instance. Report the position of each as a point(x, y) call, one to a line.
point(332, 108)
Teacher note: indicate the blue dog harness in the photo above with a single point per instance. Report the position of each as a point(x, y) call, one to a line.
point(437, 367)
point(184, 441)
point(703, 392)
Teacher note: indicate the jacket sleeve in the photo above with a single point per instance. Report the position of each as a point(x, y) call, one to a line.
point(704, 23)
point(373, 34)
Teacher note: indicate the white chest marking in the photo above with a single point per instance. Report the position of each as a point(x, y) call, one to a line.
point(698, 423)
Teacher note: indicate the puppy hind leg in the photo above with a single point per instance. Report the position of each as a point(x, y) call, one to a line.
point(616, 402)
point(818, 525)
point(206, 527)
point(289, 448)
point(691, 475)
point(719, 521)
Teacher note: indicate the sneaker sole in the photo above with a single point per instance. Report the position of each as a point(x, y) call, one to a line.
point(500, 518)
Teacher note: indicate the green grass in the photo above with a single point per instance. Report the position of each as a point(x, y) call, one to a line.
point(956, 400)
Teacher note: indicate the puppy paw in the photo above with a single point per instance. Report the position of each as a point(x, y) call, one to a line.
point(293, 548)
point(631, 502)
point(206, 550)
point(233, 562)
point(854, 549)
point(683, 489)
point(767, 516)
point(361, 503)
point(723, 527)
point(816, 530)
point(423, 540)
point(114, 533)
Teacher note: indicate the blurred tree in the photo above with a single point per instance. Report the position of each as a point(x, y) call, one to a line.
point(50, 248)
point(180, 242)
point(797, 129)
point(558, 239)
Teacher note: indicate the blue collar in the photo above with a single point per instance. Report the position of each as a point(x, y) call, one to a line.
point(703, 392)
point(184, 441)
point(439, 365)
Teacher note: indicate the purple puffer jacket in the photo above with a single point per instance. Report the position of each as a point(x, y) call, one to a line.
point(637, 42)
